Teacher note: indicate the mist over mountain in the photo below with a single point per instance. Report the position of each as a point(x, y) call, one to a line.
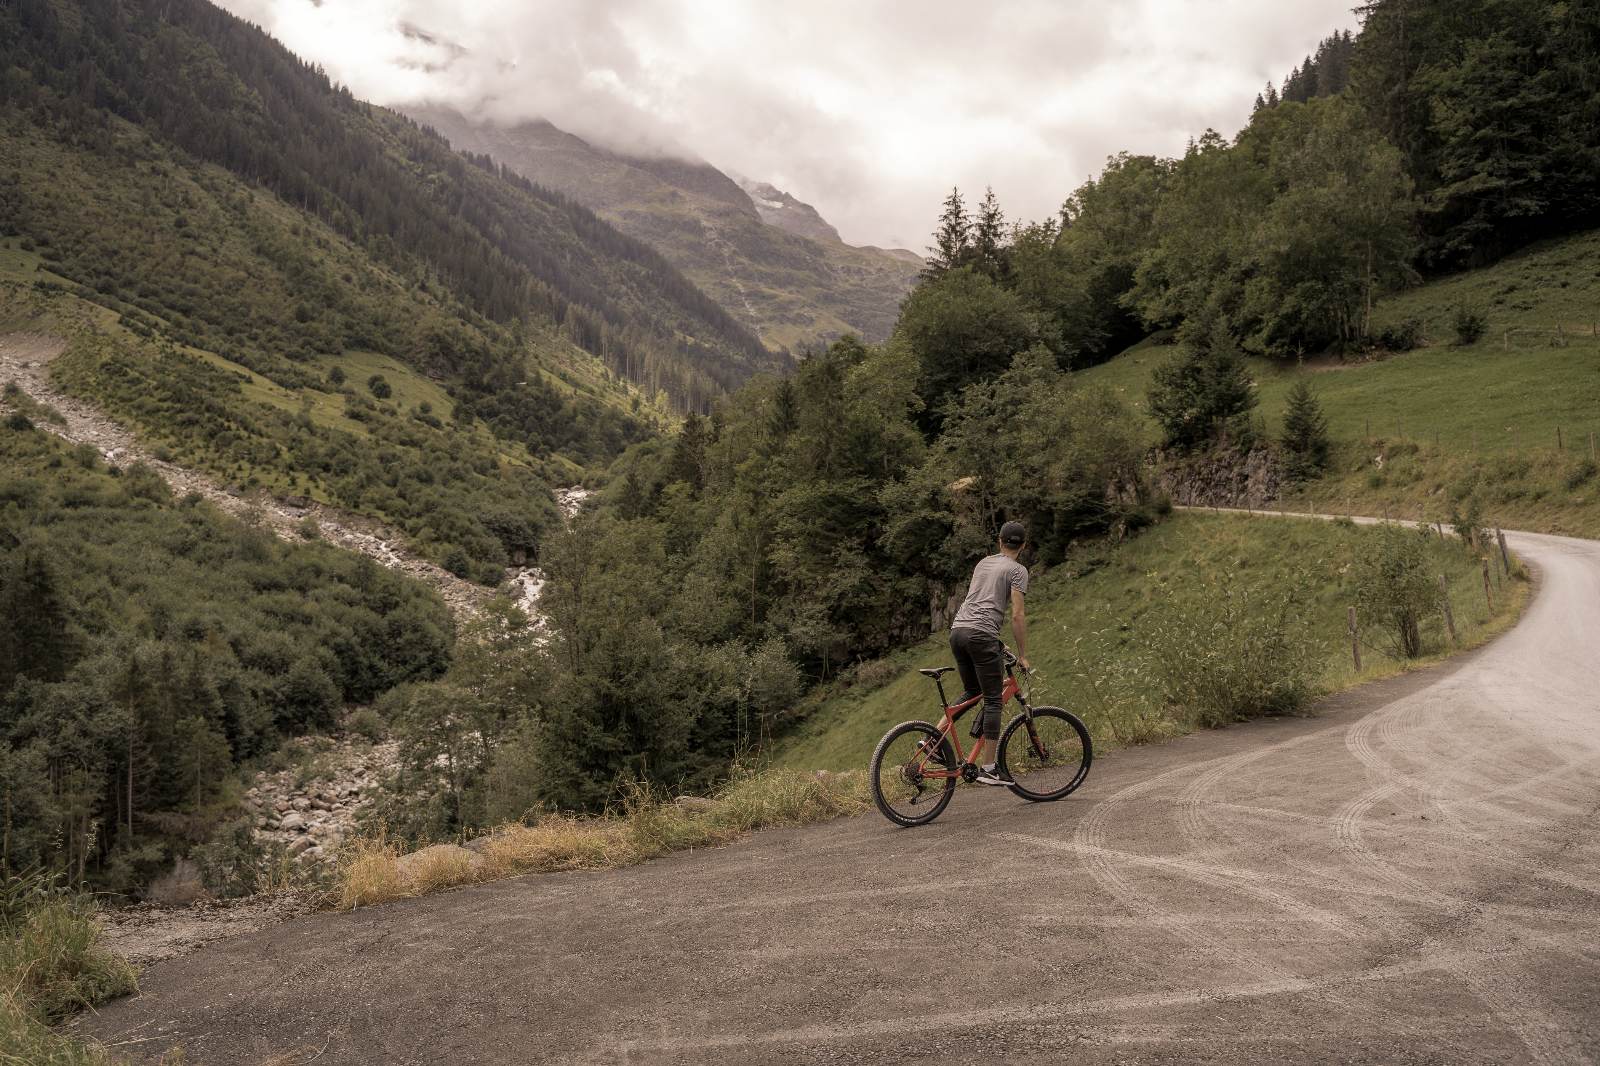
point(771, 260)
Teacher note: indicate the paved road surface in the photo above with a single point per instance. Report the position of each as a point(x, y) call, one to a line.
point(1413, 876)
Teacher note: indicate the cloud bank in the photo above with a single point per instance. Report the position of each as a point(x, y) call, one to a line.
point(868, 109)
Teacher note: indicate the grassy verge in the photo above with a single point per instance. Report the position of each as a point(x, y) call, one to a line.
point(1091, 621)
point(51, 967)
point(376, 871)
point(1539, 490)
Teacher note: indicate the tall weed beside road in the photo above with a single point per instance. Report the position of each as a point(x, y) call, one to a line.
point(50, 967)
point(1240, 650)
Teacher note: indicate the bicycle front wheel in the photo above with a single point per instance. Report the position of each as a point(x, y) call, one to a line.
point(901, 787)
point(1046, 753)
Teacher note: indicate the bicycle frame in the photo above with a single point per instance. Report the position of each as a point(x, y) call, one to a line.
point(1011, 691)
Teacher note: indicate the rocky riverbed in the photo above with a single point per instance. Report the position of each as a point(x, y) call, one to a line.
point(311, 809)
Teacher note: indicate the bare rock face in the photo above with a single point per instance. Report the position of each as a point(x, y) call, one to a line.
point(1227, 478)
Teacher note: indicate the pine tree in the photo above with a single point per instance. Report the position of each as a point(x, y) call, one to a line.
point(1305, 434)
point(988, 237)
point(35, 641)
point(1204, 395)
point(785, 413)
point(952, 245)
point(689, 453)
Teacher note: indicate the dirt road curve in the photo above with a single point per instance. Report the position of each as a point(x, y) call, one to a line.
point(1413, 876)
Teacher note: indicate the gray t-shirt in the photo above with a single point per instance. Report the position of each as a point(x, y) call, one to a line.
point(992, 581)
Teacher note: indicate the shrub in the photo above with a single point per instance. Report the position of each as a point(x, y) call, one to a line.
point(1394, 590)
point(1580, 474)
point(1471, 324)
point(1400, 336)
point(457, 561)
point(1468, 524)
point(368, 724)
point(336, 376)
point(378, 385)
point(1248, 650)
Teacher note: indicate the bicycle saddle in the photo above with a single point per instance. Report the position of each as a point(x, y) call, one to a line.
point(934, 673)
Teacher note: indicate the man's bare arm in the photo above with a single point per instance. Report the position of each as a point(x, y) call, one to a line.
point(1019, 627)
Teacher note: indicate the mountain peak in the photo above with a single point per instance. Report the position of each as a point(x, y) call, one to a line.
point(778, 208)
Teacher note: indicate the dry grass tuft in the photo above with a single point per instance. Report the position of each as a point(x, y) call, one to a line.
point(648, 826)
point(370, 874)
point(441, 866)
point(558, 842)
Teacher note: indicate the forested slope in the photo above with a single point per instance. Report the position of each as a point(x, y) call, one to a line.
point(215, 88)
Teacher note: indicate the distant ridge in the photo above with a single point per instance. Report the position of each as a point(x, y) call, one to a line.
point(770, 259)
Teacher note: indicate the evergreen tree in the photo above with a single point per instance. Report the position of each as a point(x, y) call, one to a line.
point(988, 237)
point(1305, 434)
point(689, 453)
point(35, 640)
point(952, 241)
point(784, 416)
point(1203, 395)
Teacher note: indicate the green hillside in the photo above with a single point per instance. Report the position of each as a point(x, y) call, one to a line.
point(788, 288)
point(1452, 420)
point(1093, 614)
point(207, 88)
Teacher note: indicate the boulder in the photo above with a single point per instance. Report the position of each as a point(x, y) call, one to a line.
point(300, 803)
point(292, 820)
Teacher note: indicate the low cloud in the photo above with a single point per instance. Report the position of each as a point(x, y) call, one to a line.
point(869, 109)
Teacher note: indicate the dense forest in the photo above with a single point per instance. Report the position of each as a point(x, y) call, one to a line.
point(151, 644)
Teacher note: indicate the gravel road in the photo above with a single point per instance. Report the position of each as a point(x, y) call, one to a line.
point(1411, 876)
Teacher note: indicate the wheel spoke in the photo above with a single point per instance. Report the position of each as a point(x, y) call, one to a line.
point(1050, 757)
point(909, 780)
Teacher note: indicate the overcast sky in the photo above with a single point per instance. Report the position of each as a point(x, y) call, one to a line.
point(868, 109)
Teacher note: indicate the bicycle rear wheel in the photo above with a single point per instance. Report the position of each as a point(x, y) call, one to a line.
point(897, 774)
point(1046, 754)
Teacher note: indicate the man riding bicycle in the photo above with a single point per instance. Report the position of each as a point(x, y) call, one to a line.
point(975, 641)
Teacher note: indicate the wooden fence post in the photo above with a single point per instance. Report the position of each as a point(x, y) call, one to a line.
point(1591, 445)
point(1444, 604)
point(1559, 446)
point(1355, 640)
point(1505, 555)
point(1488, 590)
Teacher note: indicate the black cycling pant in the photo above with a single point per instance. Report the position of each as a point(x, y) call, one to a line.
point(981, 659)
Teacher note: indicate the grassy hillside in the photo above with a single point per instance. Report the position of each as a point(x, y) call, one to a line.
point(1093, 613)
point(1417, 430)
point(790, 289)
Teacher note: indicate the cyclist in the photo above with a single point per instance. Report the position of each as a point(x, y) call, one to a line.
point(975, 640)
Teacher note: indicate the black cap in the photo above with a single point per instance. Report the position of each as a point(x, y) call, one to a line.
point(1012, 535)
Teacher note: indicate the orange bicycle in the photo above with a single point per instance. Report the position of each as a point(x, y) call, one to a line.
point(917, 764)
